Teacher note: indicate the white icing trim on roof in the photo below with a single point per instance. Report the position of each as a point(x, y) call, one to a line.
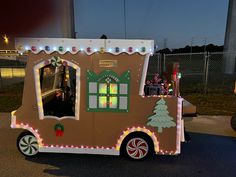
point(114, 46)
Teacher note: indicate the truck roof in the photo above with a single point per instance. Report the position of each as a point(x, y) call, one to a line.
point(89, 46)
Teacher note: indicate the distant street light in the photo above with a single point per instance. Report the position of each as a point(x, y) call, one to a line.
point(6, 39)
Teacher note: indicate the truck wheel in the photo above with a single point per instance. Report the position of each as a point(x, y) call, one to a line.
point(137, 147)
point(27, 144)
point(233, 122)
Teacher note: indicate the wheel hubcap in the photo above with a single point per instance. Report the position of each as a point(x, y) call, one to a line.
point(28, 145)
point(137, 148)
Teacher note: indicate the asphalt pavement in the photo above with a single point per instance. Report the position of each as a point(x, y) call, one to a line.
point(213, 125)
point(207, 155)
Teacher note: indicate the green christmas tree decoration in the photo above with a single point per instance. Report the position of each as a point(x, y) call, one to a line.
point(161, 118)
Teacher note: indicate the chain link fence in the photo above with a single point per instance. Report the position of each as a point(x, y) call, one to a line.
point(219, 79)
point(155, 65)
point(201, 72)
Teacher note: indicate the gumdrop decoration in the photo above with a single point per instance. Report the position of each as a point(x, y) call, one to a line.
point(161, 118)
point(60, 49)
point(46, 62)
point(47, 48)
point(74, 49)
point(130, 49)
point(33, 48)
point(20, 47)
point(88, 49)
point(102, 50)
point(59, 130)
point(64, 63)
point(117, 49)
point(143, 49)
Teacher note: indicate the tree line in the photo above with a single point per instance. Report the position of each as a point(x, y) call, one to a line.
point(193, 49)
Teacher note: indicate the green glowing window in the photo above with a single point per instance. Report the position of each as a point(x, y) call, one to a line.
point(107, 91)
point(113, 88)
point(113, 102)
point(102, 102)
point(102, 88)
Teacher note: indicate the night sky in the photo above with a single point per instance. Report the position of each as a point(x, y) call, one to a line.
point(177, 21)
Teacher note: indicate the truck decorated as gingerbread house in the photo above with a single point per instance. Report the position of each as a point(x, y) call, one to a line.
point(91, 96)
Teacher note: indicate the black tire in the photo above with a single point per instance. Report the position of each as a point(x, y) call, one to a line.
point(233, 122)
point(27, 144)
point(137, 146)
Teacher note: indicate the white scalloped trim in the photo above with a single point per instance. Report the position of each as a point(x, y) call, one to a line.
point(96, 45)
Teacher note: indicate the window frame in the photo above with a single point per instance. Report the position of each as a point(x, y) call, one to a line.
point(36, 70)
point(108, 94)
point(97, 79)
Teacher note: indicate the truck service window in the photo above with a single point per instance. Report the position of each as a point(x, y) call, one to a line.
point(58, 89)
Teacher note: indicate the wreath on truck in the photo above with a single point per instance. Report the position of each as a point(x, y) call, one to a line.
point(59, 129)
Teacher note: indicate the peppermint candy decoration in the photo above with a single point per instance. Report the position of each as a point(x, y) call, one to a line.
point(56, 61)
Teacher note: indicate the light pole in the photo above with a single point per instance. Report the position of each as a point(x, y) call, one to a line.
point(205, 41)
point(191, 48)
point(125, 17)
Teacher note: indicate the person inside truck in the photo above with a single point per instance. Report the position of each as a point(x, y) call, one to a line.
point(156, 79)
point(165, 87)
point(156, 86)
